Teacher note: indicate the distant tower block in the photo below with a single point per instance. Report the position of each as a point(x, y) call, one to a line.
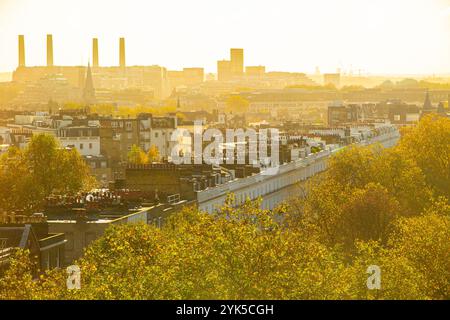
point(21, 51)
point(237, 61)
point(95, 52)
point(49, 50)
point(122, 53)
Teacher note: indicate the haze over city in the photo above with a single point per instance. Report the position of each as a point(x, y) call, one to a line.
point(376, 37)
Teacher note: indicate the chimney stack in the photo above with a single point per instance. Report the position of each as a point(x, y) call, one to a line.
point(122, 53)
point(21, 51)
point(49, 50)
point(95, 52)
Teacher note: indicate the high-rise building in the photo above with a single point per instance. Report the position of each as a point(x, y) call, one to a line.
point(95, 52)
point(49, 50)
point(237, 62)
point(122, 52)
point(224, 70)
point(21, 51)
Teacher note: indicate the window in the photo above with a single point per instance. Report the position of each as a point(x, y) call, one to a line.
point(90, 145)
point(103, 164)
point(81, 146)
point(129, 135)
point(156, 134)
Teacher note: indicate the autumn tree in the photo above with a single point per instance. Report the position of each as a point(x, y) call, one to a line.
point(399, 277)
point(19, 281)
point(424, 241)
point(247, 253)
point(41, 169)
point(232, 254)
point(137, 156)
point(428, 145)
point(414, 264)
point(236, 104)
point(153, 154)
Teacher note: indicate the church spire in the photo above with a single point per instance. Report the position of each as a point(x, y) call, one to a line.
point(427, 106)
point(89, 91)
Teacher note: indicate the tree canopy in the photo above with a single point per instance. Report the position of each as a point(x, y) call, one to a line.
point(373, 206)
point(237, 104)
point(137, 156)
point(43, 168)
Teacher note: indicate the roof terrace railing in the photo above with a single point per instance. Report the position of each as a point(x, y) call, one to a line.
point(21, 219)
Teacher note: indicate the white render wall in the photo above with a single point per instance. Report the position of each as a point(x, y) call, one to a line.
point(274, 189)
point(86, 146)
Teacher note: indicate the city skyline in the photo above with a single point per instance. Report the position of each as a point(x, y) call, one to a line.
point(325, 30)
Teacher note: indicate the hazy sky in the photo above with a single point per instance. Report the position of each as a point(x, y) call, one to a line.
point(377, 36)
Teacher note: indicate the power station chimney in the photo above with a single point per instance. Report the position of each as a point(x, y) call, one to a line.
point(95, 52)
point(21, 51)
point(122, 53)
point(49, 50)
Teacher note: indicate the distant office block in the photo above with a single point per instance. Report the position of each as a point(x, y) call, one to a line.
point(21, 51)
point(49, 50)
point(237, 61)
point(95, 52)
